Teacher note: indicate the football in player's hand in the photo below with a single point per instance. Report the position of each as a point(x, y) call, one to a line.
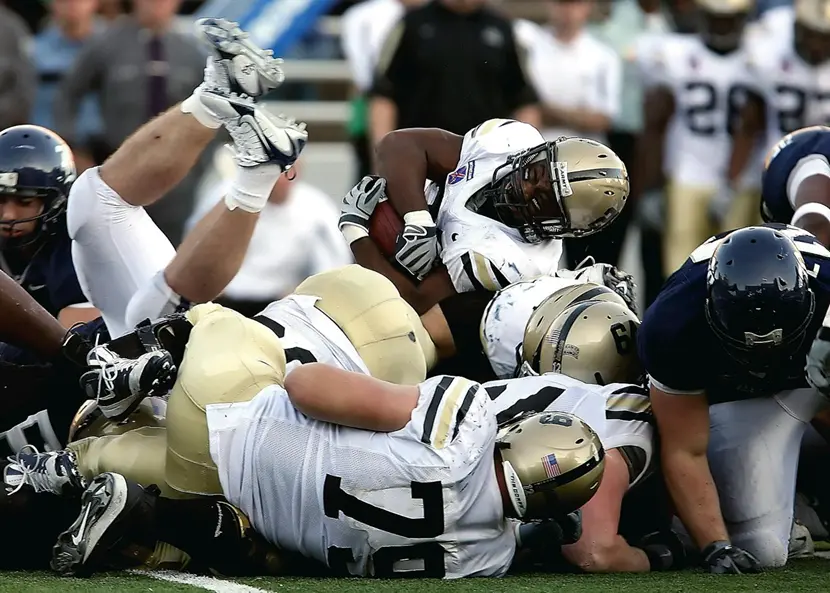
point(384, 227)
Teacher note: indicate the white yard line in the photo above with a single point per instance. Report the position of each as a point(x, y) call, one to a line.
point(209, 583)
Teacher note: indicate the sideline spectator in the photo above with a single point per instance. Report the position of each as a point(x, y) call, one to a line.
point(17, 74)
point(450, 64)
point(296, 236)
point(72, 23)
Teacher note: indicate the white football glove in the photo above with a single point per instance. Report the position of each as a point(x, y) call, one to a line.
point(416, 248)
point(358, 206)
point(606, 275)
point(818, 362)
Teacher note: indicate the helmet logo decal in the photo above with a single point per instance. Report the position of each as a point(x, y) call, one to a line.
point(560, 171)
point(8, 179)
point(552, 469)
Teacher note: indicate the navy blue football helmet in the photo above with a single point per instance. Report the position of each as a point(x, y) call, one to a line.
point(36, 162)
point(759, 302)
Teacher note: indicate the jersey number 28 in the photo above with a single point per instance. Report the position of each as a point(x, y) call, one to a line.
point(430, 554)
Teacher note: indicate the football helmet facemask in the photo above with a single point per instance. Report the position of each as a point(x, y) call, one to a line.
point(722, 23)
point(759, 303)
point(812, 30)
point(592, 341)
point(553, 464)
point(572, 187)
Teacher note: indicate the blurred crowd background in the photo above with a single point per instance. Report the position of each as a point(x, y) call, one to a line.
point(95, 70)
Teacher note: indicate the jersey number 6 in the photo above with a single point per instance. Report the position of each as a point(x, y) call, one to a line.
point(431, 554)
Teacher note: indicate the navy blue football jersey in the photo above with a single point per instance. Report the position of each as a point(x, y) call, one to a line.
point(48, 274)
point(782, 159)
point(680, 351)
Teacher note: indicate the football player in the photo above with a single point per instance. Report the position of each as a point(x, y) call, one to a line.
point(724, 345)
point(370, 448)
point(696, 87)
point(525, 330)
point(36, 171)
point(790, 83)
point(621, 416)
point(796, 182)
point(497, 194)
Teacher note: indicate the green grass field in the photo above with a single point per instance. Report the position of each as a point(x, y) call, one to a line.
point(807, 576)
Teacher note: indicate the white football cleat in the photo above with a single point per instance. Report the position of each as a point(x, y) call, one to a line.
point(241, 67)
point(259, 136)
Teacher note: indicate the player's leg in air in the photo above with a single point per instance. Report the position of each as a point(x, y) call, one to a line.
point(125, 264)
point(124, 261)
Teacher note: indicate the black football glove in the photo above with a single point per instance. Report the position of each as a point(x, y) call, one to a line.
point(665, 550)
point(721, 557)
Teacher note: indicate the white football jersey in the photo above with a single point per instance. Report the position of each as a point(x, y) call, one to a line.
point(506, 316)
point(709, 90)
point(309, 335)
point(421, 501)
point(479, 252)
point(797, 95)
point(619, 413)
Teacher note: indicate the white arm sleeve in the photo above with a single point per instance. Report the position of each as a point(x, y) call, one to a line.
point(814, 164)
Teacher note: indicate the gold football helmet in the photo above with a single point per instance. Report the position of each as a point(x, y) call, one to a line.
point(572, 187)
point(553, 464)
point(593, 341)
point(548, 310)
point(812, 30)
point(89, 421)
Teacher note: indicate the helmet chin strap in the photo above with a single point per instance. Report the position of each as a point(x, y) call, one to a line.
point(515, 490)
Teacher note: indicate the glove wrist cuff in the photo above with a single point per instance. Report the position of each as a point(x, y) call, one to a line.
point(419, 217)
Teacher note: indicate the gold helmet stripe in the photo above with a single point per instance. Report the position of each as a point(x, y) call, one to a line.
point(559, 349)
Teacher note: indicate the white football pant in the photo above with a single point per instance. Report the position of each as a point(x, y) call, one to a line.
point(753, 455)
point(119, 255)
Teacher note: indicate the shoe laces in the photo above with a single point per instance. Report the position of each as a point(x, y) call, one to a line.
point(108, 370)
point(40, 481)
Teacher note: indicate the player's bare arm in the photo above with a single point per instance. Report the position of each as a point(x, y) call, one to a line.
point(751, 125)
point(657, 110)
point(356, 211)
point(601, 548)
point(683, 422)
point(408, 158)
point(25, 323)
point(421, 296)
point(350, 399)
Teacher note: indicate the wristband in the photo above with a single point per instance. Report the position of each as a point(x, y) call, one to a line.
point(419, 217)
point(352, 232)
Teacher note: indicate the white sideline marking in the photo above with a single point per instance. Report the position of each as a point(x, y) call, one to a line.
point(209, 583)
